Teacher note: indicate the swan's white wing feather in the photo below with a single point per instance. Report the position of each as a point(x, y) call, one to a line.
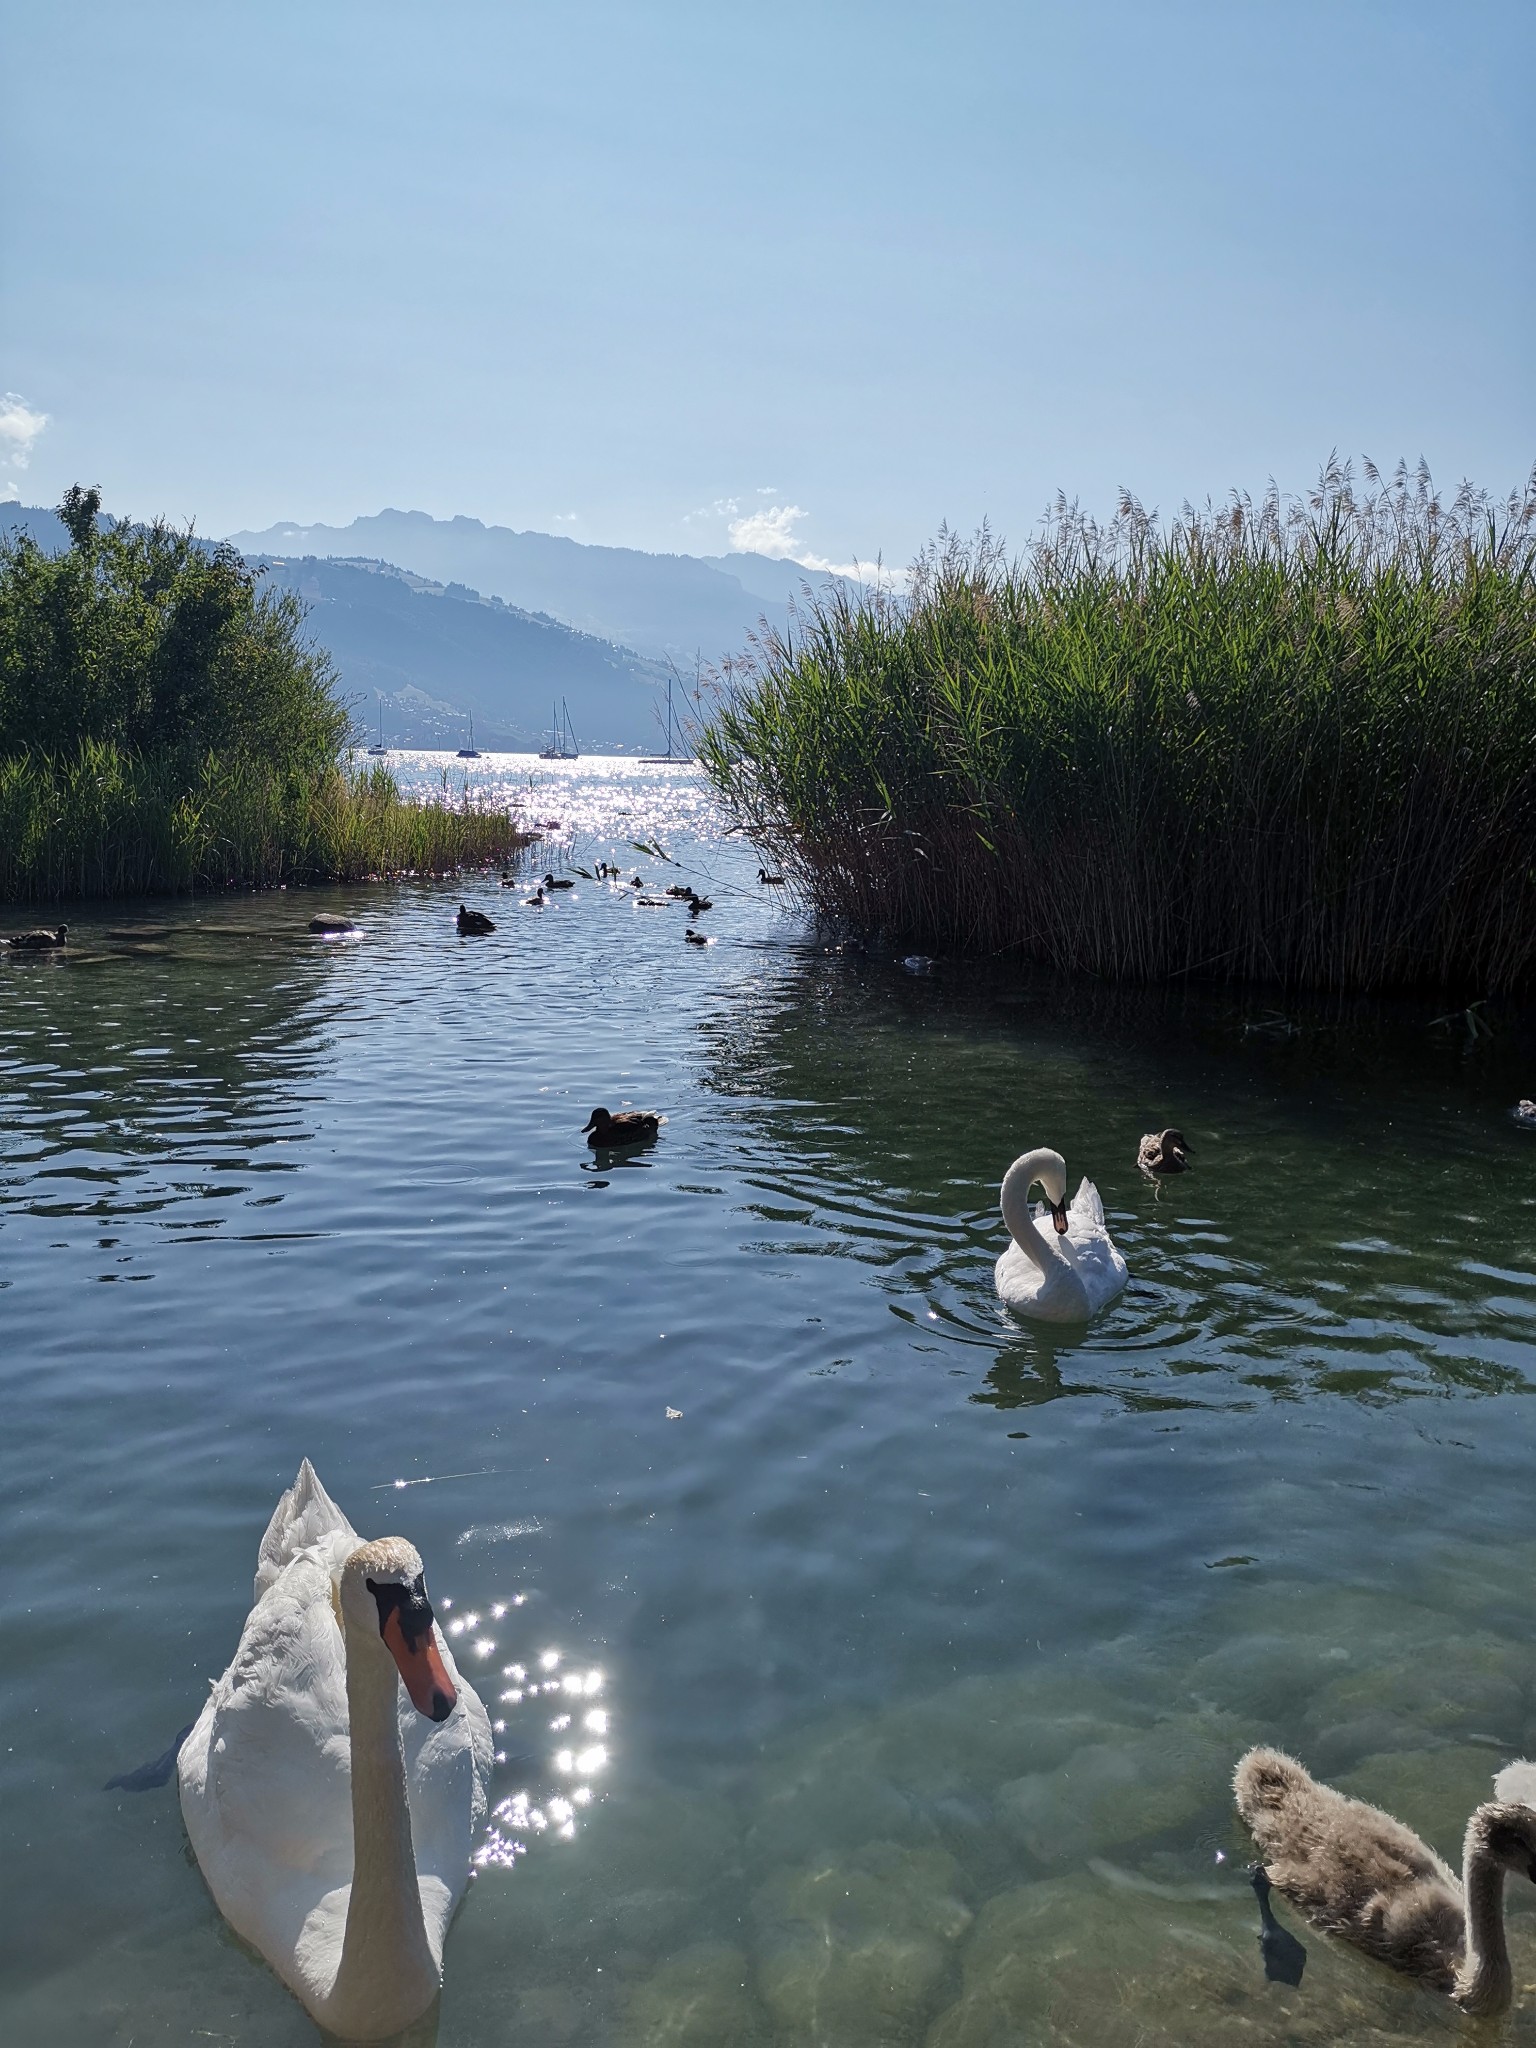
point(1515, 1785)
point(305, 1515)
point(265, 1775)
point(1093, 1251)
point(448, 1775)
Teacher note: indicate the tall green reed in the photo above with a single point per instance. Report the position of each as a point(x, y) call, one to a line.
point(105, 821)
point(1283, 741)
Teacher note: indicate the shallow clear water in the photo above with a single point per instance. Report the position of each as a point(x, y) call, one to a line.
point(926, 1640)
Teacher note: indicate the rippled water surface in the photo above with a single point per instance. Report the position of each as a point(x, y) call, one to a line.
point(926, 1641)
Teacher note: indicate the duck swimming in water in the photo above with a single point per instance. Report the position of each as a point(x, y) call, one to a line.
point(536, 900)
point(770, 881)
point(629, 1127)
point(473, 923)
point(695, 938)
point(558, 882)
point(40, 940)
point(1163, 1152)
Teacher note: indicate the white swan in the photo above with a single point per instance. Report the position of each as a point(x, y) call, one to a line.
point(332, 1815)
point(1067, 1276)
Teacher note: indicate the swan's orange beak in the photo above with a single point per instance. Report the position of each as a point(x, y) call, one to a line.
point(422, 1668)
point(1059, 1217)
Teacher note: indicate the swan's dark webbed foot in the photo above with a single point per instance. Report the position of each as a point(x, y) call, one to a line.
point(1284, 1956)
point(157, 1772)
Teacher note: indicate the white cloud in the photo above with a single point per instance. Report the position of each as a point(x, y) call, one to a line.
point(566, 518)
point(768, 532)
point(20, 425)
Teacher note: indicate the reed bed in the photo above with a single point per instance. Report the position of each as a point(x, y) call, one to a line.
point(1291, 742)
point(107, 821)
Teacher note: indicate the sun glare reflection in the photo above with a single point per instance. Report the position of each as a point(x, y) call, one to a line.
point(553, 1812)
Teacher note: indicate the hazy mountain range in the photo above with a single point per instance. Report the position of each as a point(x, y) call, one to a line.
point(437, 655)
point(677, 607)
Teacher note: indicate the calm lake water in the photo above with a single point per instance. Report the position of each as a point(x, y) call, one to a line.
point(926, 1640)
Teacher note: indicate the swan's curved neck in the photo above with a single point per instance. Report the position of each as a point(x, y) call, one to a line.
point(387, 1971)
point(1483, 1983)
point(1014, 1203)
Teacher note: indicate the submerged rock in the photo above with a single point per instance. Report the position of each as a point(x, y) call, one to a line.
point(1432, 1790)
point(649, 1868)
point(1467, 1684)
point(853, 1953)
point(1110, 1795)
point(700, 1998)
point(928, 1770)
point(1073, 1963)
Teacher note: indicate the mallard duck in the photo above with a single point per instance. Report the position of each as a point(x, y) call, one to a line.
point(1163, 1152)
point(695, 938)
point(1356, 1872)
point(678, 889)
point(39, 940)
point(535, 901)
point(698, 904)
point(558, 882)
point(770, 881)
point(473, 922)
point(629, 1127)
point(332, 927)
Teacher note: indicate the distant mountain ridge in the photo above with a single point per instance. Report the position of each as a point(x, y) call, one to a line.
point(674, 607)
point(426, 656)
point(437, 653)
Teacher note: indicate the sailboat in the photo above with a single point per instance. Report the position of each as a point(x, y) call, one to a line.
point(471, 752)
point(562, 739)
point(672, 753)
point(380, 748)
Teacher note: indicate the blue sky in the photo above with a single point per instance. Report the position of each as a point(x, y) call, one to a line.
point(816, 276)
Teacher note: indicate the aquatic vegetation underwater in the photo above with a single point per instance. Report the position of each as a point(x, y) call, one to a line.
point(1279, 742)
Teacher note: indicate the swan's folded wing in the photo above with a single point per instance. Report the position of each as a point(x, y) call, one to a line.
point(448, 1772)
point(266, 1779)
point(1086, 1203)
point(305, 1515)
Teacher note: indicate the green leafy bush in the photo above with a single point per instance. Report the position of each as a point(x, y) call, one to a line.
point(164, 726)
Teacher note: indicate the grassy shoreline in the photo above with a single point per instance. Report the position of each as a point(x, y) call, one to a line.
point(1280, 743)
point(105, 821)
